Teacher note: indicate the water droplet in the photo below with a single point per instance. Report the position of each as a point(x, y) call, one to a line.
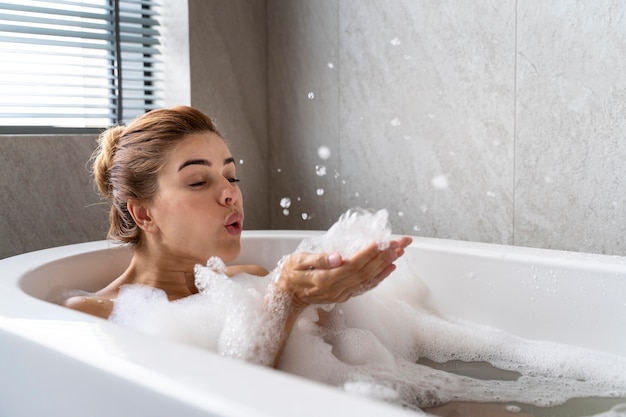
point(286, 212)
point(423, 208)
point(416, 228)
point(491, 194)
point(407, 57)
point(431, 115)
point(319, 191)
point(395, 122)
point(401, 214)
point(320, 170)
point(357, 194)
point(330, 65)
point(100, 301)
point(513, 409)
point(323, 152)
point(439, 182)
point(407, 137)
point(285, 202)
point(305, 216)
point(395, 42)
point(241, 162)
point(311, 95)
point(279, 170)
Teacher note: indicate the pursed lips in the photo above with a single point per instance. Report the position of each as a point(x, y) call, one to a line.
point(234, 223)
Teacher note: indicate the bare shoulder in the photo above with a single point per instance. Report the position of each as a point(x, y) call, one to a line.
point(90, 304)
point(246, 269)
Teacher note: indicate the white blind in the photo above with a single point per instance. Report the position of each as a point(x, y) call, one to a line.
point(89, 63)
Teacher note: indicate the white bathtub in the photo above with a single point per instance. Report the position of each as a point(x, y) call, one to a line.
point(58, 362)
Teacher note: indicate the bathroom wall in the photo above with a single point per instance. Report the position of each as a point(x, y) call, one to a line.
point(487, 121)
point(228, 67)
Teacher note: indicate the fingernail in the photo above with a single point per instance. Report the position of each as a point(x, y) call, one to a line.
point(334, 259)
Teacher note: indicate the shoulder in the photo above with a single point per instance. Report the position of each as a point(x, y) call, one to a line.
point(90, 304)
point(246, 269)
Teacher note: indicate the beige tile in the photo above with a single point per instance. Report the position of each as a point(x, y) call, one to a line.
point(570, 170)
point(303, 113)
point(229, 82)
point(426, 123)
point(47, 194)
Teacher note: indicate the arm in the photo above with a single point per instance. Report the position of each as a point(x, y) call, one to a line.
point(97, 306)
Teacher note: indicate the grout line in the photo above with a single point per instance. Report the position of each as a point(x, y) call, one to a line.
point(514, 121)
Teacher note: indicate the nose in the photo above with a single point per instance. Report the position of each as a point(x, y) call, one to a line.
point(229, 193)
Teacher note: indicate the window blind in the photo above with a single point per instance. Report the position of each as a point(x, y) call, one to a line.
point(88, 64)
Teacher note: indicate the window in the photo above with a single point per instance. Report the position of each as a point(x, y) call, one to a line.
point(77, 64)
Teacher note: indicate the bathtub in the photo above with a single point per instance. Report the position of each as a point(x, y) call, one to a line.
point(56, 361)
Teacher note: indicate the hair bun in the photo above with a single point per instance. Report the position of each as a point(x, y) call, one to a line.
point(103, 158)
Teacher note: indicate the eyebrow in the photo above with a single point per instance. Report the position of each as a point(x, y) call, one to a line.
point(227, 161)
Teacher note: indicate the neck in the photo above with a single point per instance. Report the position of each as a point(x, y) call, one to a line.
point(173, 275)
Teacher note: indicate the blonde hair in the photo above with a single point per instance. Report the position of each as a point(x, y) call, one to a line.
point(128, 159)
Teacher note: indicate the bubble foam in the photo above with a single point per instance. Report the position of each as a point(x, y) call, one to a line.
point(371, 344)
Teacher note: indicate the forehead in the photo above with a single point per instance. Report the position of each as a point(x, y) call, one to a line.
point(200, 144)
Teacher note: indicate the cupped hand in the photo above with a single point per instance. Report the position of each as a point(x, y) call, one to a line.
point(327, 278)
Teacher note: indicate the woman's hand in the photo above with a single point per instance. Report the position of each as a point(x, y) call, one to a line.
point(326, 278)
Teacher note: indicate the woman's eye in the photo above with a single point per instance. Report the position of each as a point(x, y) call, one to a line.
point(233, 180)
point(197, 184)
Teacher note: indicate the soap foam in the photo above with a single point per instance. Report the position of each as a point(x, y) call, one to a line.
point(372, 342)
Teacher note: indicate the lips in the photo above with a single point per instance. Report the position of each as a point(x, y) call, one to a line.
point(234, 224)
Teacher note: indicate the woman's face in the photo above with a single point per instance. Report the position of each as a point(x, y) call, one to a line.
point(198, 208)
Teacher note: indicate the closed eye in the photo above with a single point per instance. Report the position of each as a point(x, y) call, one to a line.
point(233, 180)
point(198, 184)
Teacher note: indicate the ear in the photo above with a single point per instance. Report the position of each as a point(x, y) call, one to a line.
point(141, 214)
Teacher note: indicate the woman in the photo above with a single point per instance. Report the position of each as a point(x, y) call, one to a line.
point(174, 198)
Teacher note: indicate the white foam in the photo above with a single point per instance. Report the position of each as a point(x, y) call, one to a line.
point(373, 342)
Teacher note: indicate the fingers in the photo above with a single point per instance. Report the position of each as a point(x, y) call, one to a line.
point(328, 278)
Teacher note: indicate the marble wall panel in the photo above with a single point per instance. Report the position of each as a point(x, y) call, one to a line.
point(426, 114)
point(228, 65)
point(571, 126)
point(303, 113)
point(48, 197)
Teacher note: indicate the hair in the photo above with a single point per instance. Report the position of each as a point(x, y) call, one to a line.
point(128, 159)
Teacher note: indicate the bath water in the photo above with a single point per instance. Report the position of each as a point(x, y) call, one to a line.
point(389, 343)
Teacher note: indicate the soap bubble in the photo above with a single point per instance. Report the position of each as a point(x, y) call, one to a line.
point(395, 41)
point(323, 152)
point(320, 170)
point(439, 182)
point(319, 191)
point(285, 202)
point(311, 95)
point(395, 122)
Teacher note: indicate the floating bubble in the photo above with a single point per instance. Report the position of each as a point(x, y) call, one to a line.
point(439, 182)
point(320, 170)
point(395, 122)
point(311, 95)
point(395, 42)
point(323, 152)
point(401, 214)
point(330, 65)
point(305, 216)
point(285, 202)
point(491, 194)
point(423, 208)
point(416, 228)
point(241, 162)
point(286, 212)
point(279, 170)
point(319, 191)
